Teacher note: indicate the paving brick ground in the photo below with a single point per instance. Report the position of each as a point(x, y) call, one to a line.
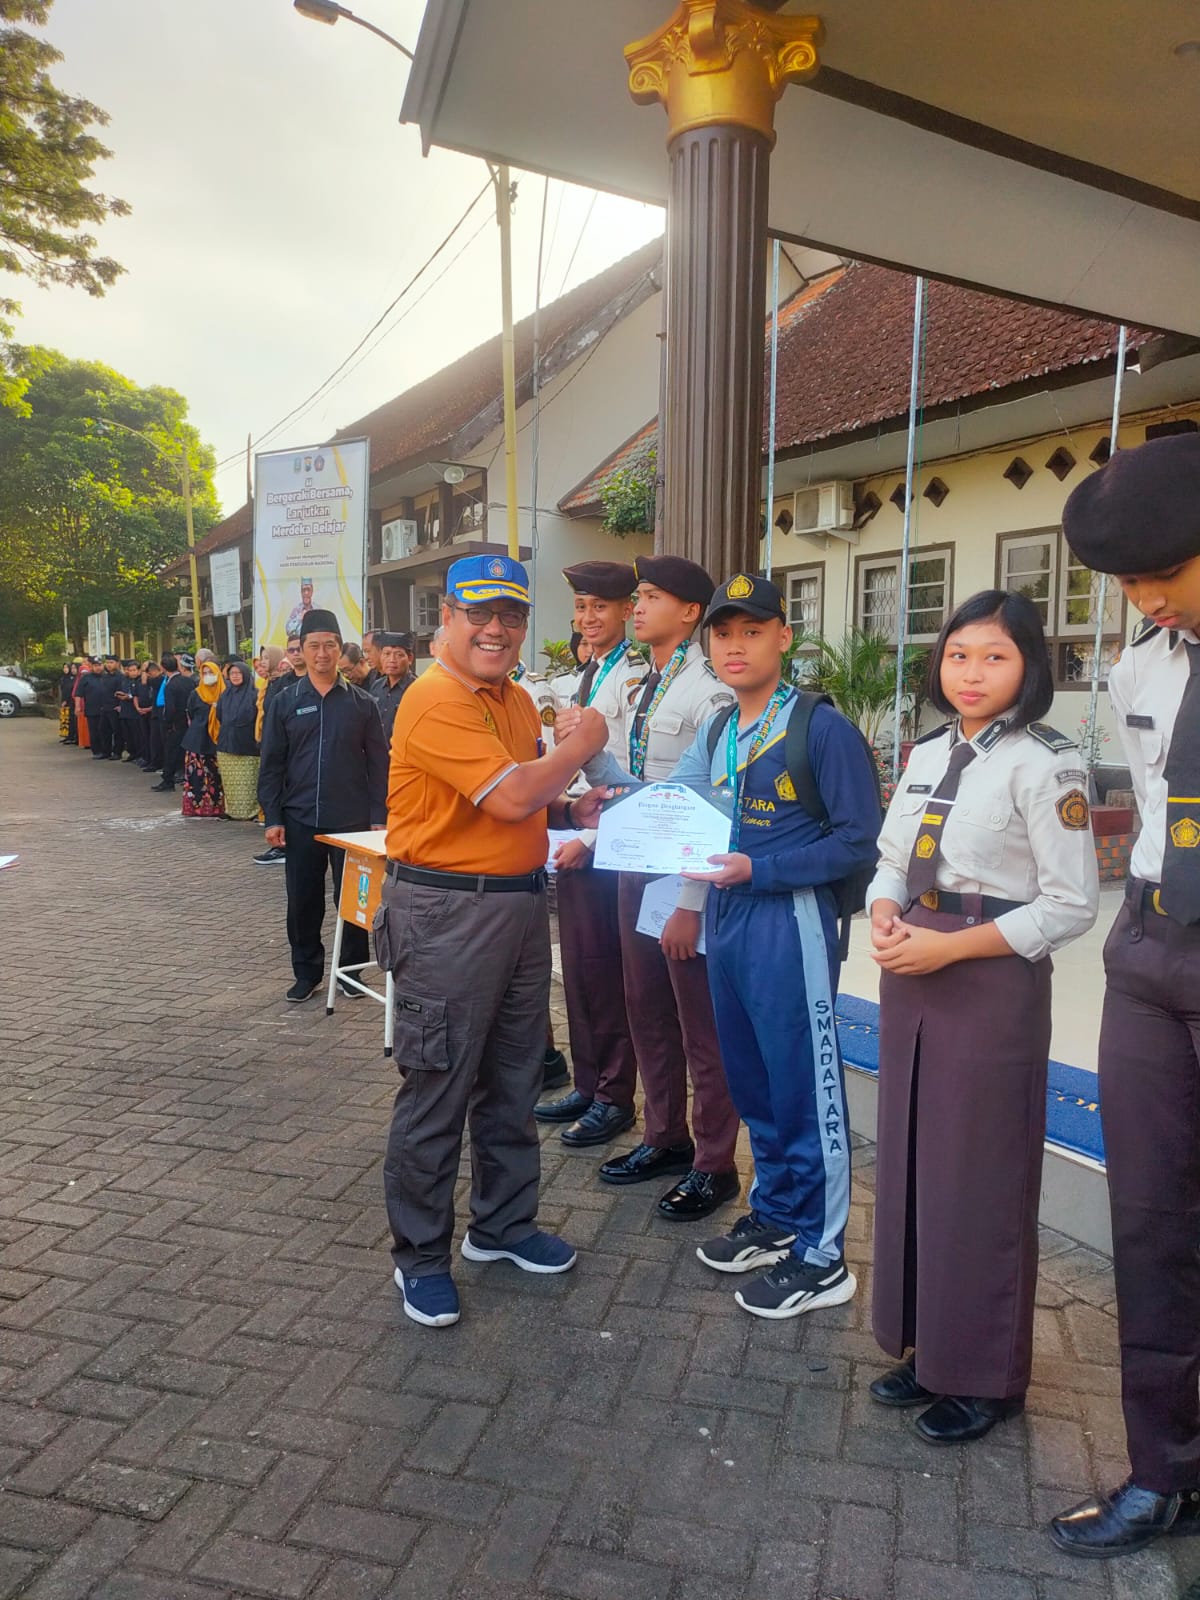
point(207, 1388)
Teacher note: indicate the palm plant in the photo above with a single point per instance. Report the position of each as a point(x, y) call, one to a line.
point(858, 673)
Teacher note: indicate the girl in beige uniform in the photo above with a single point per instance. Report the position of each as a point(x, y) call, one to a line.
point(987, 865)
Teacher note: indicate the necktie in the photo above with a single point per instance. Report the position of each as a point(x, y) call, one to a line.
point(1180, 893)
point(649, 685)
point(586, 682)
point(927, 847)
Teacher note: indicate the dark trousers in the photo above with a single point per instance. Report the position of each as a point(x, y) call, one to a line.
point(306, 866)
point(472, 975)
point(1150, 1109)
point(675, 1036)
point(172, 766)
point(154, 739)
point(128, 729)
point(589, 933)
point(100, 728)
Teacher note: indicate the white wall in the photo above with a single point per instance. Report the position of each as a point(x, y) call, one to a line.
point(981, 506)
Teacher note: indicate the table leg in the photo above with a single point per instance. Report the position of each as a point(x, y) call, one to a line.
point(333, 968)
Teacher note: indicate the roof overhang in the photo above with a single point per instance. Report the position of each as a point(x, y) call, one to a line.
point(1050, 152)
point(426, 564)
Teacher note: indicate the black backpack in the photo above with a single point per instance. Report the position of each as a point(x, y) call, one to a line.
point(851, 892)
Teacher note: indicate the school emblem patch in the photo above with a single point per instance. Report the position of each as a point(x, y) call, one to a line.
point(925, 847)
point(496, 568)
point(738, 588)
point(784, 787)
point(549, 716)
point(1073, 810)
point(1185, 834)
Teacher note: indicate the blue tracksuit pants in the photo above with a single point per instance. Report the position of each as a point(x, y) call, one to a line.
point(773, 968)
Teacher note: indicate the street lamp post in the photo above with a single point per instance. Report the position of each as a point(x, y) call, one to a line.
point(183, 467)
point(329, 12)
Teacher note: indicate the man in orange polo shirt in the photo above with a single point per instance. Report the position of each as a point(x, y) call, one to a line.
point(464, 929)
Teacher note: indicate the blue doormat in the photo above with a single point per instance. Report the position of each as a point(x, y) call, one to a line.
point(1072, 1106)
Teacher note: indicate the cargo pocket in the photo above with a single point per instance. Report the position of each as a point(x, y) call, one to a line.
point(383, 940)
point(420, 1044)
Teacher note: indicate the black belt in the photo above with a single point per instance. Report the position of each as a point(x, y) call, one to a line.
point(1148, 894)
point(947, 900)
point(527, 883)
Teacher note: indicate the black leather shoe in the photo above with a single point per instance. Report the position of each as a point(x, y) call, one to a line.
point(959, 1418)
point(598, 1125)
point(649, 1161)
point(161, 788)
point(899, 1387)
point(567, 1109)
point(555, 1071)
point(1128, 1519)
point(699, 1195)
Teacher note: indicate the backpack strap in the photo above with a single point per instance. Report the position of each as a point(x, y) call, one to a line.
point(717, 724)
point(796, 758)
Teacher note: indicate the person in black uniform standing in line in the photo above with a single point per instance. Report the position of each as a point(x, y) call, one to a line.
point(395, 675)
point(323, 769)
point(1139, 518)
point(178, 687)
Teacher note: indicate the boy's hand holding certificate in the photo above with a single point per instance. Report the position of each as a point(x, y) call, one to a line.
point(664, 828)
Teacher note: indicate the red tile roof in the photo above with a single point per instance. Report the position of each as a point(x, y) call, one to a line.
point(845, 347)
point(426, 418)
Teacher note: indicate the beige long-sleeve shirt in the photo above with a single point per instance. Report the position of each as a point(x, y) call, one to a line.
point(1018, 830)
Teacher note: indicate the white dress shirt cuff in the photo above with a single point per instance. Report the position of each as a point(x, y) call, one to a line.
point(692, 895)
point(887, 885)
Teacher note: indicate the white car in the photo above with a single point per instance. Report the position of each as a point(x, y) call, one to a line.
point(16, 694)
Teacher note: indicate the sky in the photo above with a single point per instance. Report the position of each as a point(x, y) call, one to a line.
point(278, 208)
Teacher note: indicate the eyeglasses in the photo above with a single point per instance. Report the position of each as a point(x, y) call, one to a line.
point(480, 616)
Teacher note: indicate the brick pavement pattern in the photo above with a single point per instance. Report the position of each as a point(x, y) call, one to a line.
point(209, 1389)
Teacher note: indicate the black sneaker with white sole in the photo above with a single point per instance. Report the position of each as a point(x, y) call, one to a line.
point(750, 1244)
point(303, 989)
point(791, 1287)
point(274, 857)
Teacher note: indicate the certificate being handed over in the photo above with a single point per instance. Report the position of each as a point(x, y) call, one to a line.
point(663, 828)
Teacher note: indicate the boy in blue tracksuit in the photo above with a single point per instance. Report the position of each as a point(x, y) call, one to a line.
point(770, 927)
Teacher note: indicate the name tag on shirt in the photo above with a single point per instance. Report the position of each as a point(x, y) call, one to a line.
point(920, 788)
point(306, 711)
point(1133, 720)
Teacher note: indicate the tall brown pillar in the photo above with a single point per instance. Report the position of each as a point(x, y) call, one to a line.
point(718, 67)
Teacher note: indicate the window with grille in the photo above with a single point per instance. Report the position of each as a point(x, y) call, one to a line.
point(805, 601)
point(878, 604)
point(1042, 567)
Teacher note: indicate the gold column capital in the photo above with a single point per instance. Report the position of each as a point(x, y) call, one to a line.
point(723, 61)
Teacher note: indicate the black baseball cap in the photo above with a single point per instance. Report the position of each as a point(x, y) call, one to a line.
point(757, 597)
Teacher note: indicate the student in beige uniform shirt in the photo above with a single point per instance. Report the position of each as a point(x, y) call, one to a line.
point(666, 984)
point(600, 1105)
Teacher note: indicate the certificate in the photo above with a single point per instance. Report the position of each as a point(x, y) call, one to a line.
point(558, 836)
point(663, 828)
point(659, 898)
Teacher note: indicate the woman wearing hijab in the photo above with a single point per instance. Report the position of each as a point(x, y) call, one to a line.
point(269, 665)
point(202, 796)
point(237, 743)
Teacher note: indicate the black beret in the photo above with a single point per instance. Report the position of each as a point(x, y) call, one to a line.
point(607, 580)
point(1141, 511)
point(676, 575)
point(758, 597)
point(319, 622)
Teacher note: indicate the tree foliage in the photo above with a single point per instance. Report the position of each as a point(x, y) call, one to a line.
point(90, 513)
point(47, 156)
point(628, 496)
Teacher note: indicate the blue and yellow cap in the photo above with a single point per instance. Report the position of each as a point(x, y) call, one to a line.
point(477, 578)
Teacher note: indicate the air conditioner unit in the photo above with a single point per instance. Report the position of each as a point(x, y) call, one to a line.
point(825, 508)
point(399, 539)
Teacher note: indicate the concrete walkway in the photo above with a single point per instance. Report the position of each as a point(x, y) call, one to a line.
point(207, 1388)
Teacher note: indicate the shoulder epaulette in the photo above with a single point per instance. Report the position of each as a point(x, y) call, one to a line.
point(708, 667)
point(934, 733)
point(1050, 737)
point(1144, 630)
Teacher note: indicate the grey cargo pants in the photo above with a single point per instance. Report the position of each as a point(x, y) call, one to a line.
point(472, 978)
